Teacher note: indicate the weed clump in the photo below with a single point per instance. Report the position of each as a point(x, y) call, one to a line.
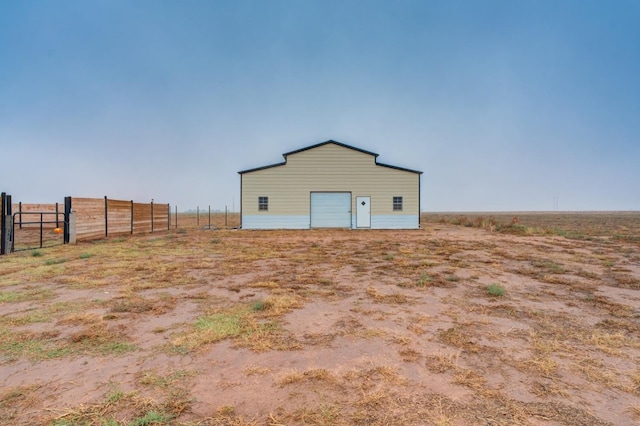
point(259, 305)
point(55, 261)
point(151, 418)
point(424, 280)
point(495, 290)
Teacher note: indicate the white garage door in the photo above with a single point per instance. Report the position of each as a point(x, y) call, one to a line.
point(331, 210)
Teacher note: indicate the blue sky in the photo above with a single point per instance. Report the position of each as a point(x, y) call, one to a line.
point(504, 105)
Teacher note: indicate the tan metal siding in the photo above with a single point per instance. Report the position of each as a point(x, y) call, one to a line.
point(329, 168)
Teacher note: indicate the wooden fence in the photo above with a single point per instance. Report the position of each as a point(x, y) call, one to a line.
point(97, 217)
point(77, 219)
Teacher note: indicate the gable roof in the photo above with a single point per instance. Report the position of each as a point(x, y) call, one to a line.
point(326, 143)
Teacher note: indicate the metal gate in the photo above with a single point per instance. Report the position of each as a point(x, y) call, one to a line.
point(27, 230)
point(38, 230)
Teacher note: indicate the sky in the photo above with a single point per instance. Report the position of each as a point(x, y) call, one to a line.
point(503, 105)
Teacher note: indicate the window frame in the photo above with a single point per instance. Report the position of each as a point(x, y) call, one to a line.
point(263, 203)
point(398, 203)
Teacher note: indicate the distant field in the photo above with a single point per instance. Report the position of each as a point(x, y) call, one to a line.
point(475, 319)
point(576, 224)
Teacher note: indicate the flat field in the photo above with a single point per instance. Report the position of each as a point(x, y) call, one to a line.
point(477, 319)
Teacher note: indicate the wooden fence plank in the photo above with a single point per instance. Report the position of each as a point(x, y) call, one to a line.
point(90, 217)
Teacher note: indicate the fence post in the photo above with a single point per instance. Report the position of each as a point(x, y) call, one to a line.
point(6, 225)
point(131, 217)
point(41, 219)
point(176, 216)
point(151, 215)
point(20, 211)
point(209, 216)
point(225, 216)
point(106, 218)
point(72, 228)
point(57, 221)
point(67, 212)
point(3, 225)
point(10, 240)
point(168, 216)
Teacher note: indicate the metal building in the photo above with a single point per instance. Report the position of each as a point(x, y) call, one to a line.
point(330, 185)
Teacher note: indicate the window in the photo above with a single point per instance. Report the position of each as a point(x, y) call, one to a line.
point(397, 204)
point(263, 204)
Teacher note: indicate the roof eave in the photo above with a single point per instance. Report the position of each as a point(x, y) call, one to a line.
point(399, 168)
point(262, 168)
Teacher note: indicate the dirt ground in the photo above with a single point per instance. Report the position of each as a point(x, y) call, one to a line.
point(463, 322)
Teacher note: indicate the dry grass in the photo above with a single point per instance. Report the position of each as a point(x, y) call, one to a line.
point(441, 362)
point(242, 323)
point(459, 337)
point(330, 327)
point(393, 298)
point(119, 407)
point(304, 377)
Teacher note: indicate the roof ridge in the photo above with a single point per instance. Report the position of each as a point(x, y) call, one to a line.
point(330, 141)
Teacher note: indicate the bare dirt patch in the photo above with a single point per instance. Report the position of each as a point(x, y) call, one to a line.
point(211, 327)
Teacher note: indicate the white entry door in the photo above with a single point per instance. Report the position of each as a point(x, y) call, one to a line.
point(363, 212)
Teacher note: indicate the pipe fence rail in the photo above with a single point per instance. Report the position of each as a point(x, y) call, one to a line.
point(28, 226)
point(30, 235)
point(82, 219)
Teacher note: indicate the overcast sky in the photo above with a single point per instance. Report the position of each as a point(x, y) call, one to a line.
point(504, 105)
